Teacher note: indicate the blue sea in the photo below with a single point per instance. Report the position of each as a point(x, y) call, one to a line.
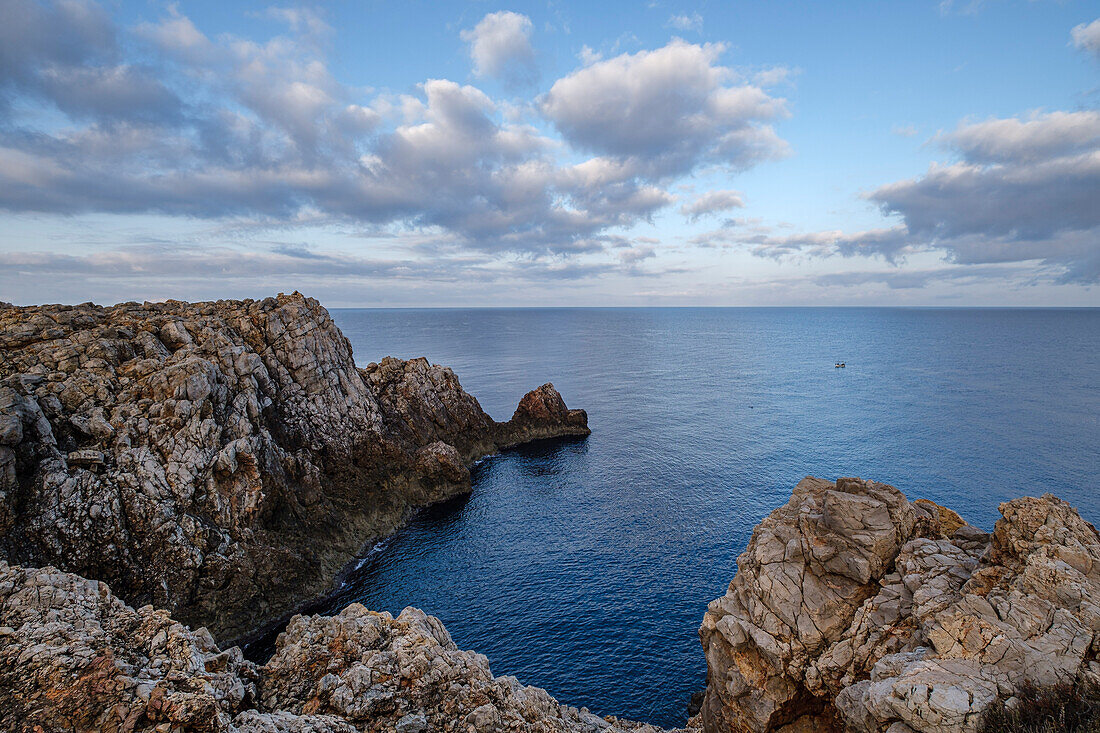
point(585, 567)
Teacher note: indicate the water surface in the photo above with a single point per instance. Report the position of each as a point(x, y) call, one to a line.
point(585, 567)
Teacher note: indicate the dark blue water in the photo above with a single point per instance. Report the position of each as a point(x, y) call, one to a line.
point(585, 567)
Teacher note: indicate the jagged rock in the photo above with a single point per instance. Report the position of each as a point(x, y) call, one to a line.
point(808, 568)
point(542, 414)
point(222, 460)
point(406, 674)
point(855, 609)
point(75, 657)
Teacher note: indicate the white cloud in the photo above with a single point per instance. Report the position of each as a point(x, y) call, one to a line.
point(226, 128)
point(1087, 37)
point(1024, 179)
point(774, 76)
point(685, 22)
point(712, 202)
point(500, 46)
point(588, 56)
point(664, 112)
point(301, 20)
point(178, 37)
point(1024, 191)
point(1038, 137)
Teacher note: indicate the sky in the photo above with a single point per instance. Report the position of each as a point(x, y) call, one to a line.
point(438, 154)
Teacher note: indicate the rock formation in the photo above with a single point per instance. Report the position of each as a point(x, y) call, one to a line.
point(223, 461)
point(219, 463)
point(856, 609)
point(75, 657)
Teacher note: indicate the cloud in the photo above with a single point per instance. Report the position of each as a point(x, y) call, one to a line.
point(966, 7)
point(892, 244)
point(500, 46)
point(301, 20)
point(915, 279)
point(1023, 190)
point(637, 254)
point(161, 118)
point(177, 37)
point(268, 132)
point(712, 202)
point(664, 112)
point(685, 22)
point(774, 76)
point(904, 130)
point(1019, 179)
point(194, 268)
point(65, 53)
point(1039, 137)
point(1087, 37)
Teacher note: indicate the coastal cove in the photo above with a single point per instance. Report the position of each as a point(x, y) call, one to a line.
point(174, 475)
point(585, 567)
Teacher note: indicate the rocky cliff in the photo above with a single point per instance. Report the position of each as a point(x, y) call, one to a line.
point(224, 460)
point(217, 463)
point(856, 609)
point(74, 657)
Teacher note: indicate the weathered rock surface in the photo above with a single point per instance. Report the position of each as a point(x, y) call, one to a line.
point(75, 657)
point(224, 460)
point(855, 609)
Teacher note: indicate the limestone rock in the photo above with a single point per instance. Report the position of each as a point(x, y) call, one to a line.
point(403, 673)
point(75, 657)
point(78, 658)
point(893, 616)
point(808, 569)
point(193, 454)
point(542, 414)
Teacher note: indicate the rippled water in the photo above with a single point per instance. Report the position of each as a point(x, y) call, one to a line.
point(585, 567)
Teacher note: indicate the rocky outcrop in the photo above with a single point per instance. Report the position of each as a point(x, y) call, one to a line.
point(75, 657)
point(223, 461)
point(542, 414)
point(856, 609)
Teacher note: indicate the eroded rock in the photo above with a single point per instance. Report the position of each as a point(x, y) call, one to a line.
point(222, 460)
point(75, 657)
point(855, 609)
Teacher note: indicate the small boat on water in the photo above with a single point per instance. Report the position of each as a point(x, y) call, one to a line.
point(838, 365)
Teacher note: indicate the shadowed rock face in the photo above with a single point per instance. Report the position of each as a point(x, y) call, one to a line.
point(855, 609)
point(223, 460)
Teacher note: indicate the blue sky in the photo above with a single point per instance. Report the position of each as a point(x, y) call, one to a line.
point(447, 154)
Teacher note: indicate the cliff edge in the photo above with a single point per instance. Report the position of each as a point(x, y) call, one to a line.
point(224, 460)
point(856, 609)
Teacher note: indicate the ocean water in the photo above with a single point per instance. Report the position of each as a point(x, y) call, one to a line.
point(585, 567)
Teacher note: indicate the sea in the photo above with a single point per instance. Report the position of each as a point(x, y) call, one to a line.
point(585, 566)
